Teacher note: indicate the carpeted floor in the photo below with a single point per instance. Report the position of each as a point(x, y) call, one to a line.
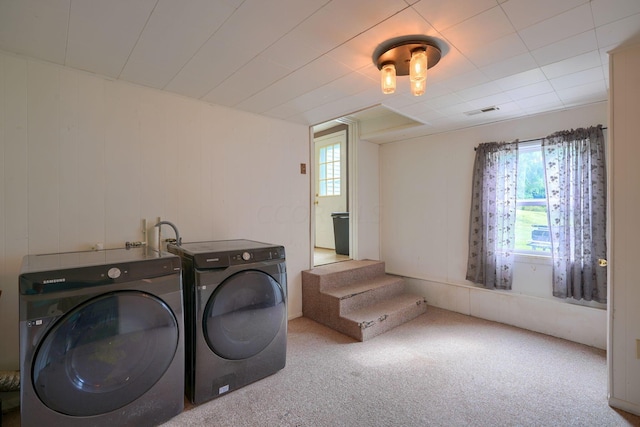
point(441, 369)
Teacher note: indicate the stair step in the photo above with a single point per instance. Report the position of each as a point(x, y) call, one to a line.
point(366, 292)
point(376, 319)
point(335, 275)
point(358, 298)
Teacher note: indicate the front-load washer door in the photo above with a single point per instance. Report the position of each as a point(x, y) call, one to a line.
point(244, 314)
point(105, 353)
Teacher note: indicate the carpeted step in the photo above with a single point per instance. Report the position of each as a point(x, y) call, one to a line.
point(368, 322)
point(366, 292)
point(335, 275)
point(358, 298)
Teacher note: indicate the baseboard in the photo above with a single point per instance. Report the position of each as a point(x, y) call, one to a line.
point(584, 325)
point(632, 408)
point(294, 316)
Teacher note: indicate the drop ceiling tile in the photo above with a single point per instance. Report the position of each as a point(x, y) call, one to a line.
point(581, 43)
point(457, 109)
point(496, 51)
point(171, 37)
point(452, 64)
point(573, 65)
point(442, 102)
point(619, 32)
point(246, 82)
point(251, 29)
point(508, 67)
point(491, 100)
point(530, 91)
point(35, 28)
point(465, 81)
point(445, 14)
point(521, 79)
point(294, 50)
point(318, 73)
point(350, 18)
point(591, 75)
point(93, 45)
point(608, 11)
point(524, 13)
point(587, 93)
point(480, 30)
point(488, 101)
point(549, 99)
point(558, 28)
point(483, 90)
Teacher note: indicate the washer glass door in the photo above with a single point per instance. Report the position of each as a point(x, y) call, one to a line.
point(244, 314)
point(105, 353)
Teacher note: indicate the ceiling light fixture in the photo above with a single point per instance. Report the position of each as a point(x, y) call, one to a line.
point(406, 56)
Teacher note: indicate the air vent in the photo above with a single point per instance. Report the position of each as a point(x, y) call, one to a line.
point(481, 110)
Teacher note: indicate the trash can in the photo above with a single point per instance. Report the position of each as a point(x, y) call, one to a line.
point(341, 232)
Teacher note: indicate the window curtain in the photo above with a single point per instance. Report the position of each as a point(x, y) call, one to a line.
point(493, 215)
point(576, 200)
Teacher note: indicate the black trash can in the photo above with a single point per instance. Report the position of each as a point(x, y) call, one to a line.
point(341, 232)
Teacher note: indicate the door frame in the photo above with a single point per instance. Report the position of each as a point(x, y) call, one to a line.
point(352, 185)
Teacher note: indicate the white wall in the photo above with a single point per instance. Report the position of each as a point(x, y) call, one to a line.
point(425, 199)
point(624, 251)
point(84, 159)
point(368, 193)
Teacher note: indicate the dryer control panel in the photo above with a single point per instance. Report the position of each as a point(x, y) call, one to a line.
point(225, 253)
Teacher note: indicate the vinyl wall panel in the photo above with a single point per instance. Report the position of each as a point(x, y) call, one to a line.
point(85, 159)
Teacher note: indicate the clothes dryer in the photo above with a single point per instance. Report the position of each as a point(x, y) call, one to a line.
point(101, 338)
point(235, 314)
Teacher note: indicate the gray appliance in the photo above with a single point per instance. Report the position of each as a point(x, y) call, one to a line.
point(101, 338)
point(235, 314)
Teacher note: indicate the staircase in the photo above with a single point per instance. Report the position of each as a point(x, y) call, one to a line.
point(358, 298)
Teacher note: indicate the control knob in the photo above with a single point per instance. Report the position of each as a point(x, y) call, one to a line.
point(114, 272)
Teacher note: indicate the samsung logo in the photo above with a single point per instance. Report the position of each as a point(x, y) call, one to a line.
point(46, 282)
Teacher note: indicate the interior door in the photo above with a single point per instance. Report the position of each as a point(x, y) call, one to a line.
point(330, 184)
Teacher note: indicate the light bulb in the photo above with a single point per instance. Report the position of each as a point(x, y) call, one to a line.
point(388, 78)
point(418, 65)
point(417, 87)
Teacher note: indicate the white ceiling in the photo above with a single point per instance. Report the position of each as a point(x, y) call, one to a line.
point(310, 61)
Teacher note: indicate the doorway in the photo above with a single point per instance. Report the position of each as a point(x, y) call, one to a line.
point(331, 202)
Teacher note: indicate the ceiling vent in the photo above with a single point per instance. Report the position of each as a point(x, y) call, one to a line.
point(481, 110)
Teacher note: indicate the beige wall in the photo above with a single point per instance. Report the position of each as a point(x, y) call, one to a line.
point(624, 255)
point(84, 159)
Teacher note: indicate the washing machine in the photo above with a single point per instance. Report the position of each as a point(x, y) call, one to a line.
point(235, 314)
point(101, 338)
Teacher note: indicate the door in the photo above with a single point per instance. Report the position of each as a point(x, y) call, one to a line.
point(330, 184)
point(244, 315)
point(105, 353)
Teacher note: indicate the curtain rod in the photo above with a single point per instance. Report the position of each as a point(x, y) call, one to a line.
point(536, 139)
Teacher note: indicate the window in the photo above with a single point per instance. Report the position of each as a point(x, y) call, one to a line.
point(532, 227)
point(329, 170)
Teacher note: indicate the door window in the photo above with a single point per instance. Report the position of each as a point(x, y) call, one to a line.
point(244, 315)
point(105, 353)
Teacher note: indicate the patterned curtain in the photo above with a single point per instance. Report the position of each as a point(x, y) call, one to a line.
point(576, 200)
point(493, 215)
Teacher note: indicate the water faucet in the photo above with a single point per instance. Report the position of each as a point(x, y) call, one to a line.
point(175, 230)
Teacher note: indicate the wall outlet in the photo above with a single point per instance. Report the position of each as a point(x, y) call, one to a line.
point(303, 168)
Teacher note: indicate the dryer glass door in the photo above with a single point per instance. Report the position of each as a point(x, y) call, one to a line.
point(244, 314)
point(105, 353)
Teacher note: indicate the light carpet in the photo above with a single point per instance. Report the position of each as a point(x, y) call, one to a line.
point(440, 369)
